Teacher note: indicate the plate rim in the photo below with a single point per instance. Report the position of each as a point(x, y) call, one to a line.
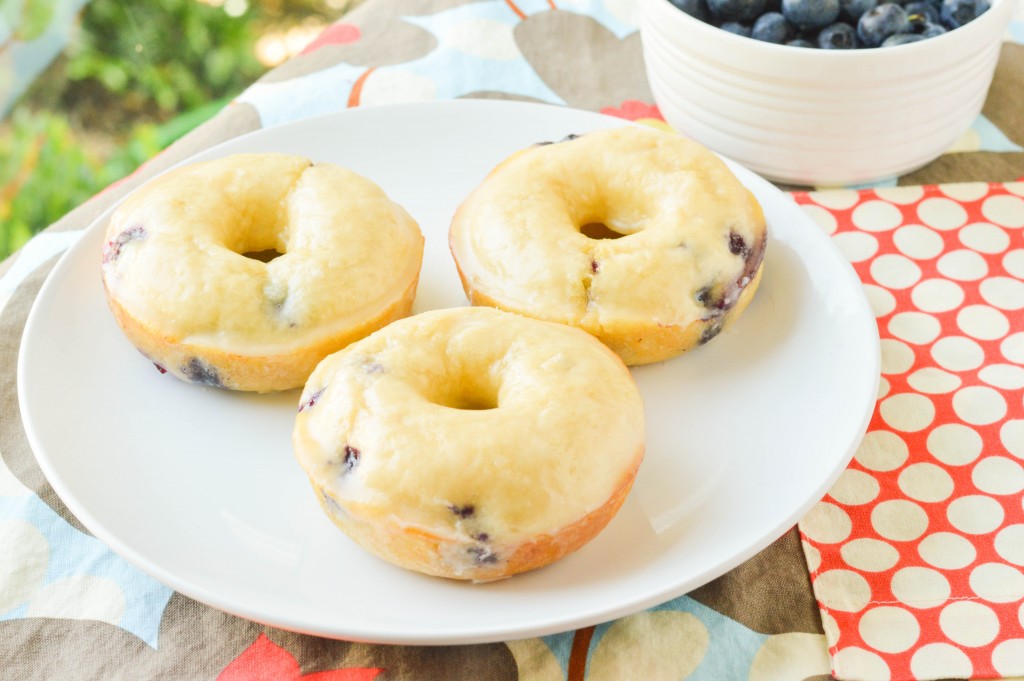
point(414, 635)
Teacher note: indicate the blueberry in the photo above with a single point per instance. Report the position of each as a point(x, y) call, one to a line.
point(462, 511)
point(881, 22)
point(931, 30)
point(349, 459)
point(921, 12)
point(956, 13)
point(838, 36)
point(737, 245)
point(482, 555)
point(736, 10)
point(736, 28)
point(771, 27)
point(800, 42)
point(901, 39)
point(851, 10)
point(112, 249)
point(810, 13)
point(713, 328)
point(311, 400)
point(202, 373)
point(695, 8)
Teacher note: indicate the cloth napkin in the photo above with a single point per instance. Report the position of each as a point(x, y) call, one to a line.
point(916, 552)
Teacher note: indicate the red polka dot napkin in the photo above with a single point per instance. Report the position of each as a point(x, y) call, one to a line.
point(917, 553)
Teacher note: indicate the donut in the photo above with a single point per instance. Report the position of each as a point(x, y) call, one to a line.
point(641, 237)
point(471, 443)
point(245, 272)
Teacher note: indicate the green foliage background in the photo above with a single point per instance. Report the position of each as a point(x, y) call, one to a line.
point(135, 77)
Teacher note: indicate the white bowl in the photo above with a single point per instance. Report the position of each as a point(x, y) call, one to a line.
point(819, 117)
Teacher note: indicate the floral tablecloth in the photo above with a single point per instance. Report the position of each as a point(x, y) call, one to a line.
point(912, 567)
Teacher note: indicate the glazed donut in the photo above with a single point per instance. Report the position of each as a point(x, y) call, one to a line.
point(471, 443)
point(539, 236)
point(181, 287)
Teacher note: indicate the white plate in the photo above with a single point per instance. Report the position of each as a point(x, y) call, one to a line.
point(199, 487)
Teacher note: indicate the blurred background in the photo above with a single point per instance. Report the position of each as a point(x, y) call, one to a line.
point(90, 89)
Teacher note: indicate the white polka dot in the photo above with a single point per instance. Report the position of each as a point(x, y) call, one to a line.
point(821, 217)
point(954, 444)
point(854, 488)
point(613, 657)
point(390, 86)
point(979, 405)
point(483, 38)
point(997, 582)
point(908, 412)
point(23, 562)
point(897, 357)
point(857, 663)
point(926, 482)
point(869, 555)
point(79, 597)
point(1013, 263)
point(918, 242)
point(941, 213)
point(940, 661)
point(881, 450)
point(965, 191)
point(881, 301)
point(812, 555)
point(975, 514)
point(902, 195)
point(1010, 544)
point(921, 587)
point(895, 271)
point(1003, 292)
point(956, 353)
point(982, 322)
point(998, 475)
point(791, 655)
point(899, 520)
point(826, 523)
point(984, 238)
point(842, 590)
point(1004, 210)
point(947, 551)
point(1008, 657)
point(883, 388)
point(915, 327)
point(963, 265)
point(1012, 347)
point(839, 199)
point(889, 629)
point(933, 381)
point(1012, 436)
point(856, 246)
point(876, 216)
point(1005, 376)
point(969, 623)
point(937, 295)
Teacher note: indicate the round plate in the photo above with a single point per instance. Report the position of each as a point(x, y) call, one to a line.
point(199, 487)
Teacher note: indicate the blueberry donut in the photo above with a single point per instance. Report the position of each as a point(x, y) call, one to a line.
point(643, 238)
point(471, 443)
point(245, 272)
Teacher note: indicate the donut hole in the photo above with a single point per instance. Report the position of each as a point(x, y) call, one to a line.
point(465, 392)
point(265, 255)
point(599, 230)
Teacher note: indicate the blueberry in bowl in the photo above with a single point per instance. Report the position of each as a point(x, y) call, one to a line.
point(823, 92)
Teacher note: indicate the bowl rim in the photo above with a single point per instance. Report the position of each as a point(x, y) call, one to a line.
point(1000, 12)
